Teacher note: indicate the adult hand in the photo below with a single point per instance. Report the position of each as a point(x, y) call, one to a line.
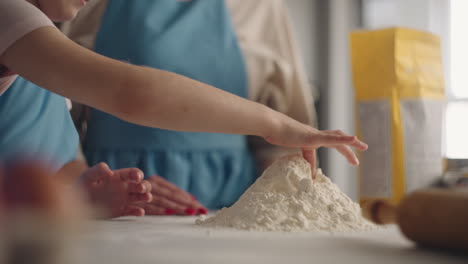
point(168, 199)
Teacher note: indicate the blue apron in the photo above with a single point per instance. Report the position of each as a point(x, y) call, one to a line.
point(37, 124)
point(195, 39)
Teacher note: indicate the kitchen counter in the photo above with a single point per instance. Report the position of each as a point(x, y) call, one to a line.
point(177, 240)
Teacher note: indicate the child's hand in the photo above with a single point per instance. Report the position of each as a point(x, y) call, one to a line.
point(168, 199)
point(290, 133)
point(118, 191)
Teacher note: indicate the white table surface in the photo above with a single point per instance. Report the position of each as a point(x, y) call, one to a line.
point(177, 240)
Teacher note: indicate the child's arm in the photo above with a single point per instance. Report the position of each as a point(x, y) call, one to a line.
point(137, 94)
point(117, 192)
point(156, 98)
point(71, 172)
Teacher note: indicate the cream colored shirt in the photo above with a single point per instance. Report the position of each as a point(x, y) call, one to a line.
point(17, 19)
point(275, 72)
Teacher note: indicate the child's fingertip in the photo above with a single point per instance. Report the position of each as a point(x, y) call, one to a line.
point(134, 212)
point(138, 176)
point(141, 212)
point(102, 169)
point(355, 161)
point(360, 145)
point(347, 139)
point(141, 188)
point(149, 197)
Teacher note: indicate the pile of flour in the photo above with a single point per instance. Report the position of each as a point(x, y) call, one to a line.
point(285, 198)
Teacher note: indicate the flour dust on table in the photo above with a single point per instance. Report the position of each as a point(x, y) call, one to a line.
point(286, 198)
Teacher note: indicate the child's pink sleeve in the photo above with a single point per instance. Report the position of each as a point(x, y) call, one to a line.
point(18, 18)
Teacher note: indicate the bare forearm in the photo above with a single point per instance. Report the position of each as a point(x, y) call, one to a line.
point(156, 98)
point(170, 101)
point(136, 94)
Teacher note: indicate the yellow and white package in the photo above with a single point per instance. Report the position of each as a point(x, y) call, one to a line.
point(400, 99)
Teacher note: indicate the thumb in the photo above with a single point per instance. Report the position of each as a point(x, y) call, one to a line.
point(311, 157)
point(98, 172)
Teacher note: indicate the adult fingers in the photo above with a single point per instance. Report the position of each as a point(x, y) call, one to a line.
point(162, 187)
point(177, 198)
point(178, 208)
point(170, 186)
point(130, 174)
point(151, 209)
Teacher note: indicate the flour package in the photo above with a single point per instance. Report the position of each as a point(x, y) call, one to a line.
point(399, 92)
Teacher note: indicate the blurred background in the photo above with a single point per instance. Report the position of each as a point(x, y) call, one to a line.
point(323, 29)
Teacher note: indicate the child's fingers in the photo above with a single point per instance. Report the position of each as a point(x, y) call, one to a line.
point(310, 156)
point(133, 210)
point(98, 172)
point(348, 154)
point(151, 209)
point(103, 169)
point(331, 139)
point(142, 187)
point(359, 145)
point(133, 188)
point(130, 174)
point(140, 197)
point(356, 143)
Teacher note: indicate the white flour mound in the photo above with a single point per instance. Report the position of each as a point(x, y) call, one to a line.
point(285, 198)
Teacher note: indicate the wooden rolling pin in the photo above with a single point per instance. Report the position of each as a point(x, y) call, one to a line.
point(432, 217)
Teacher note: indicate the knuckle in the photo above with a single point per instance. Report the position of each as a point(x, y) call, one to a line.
point(152, 178)
point(340, 132)
point(137, 171)
point(148, 186)
point(102, 167)
point(311, 139)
